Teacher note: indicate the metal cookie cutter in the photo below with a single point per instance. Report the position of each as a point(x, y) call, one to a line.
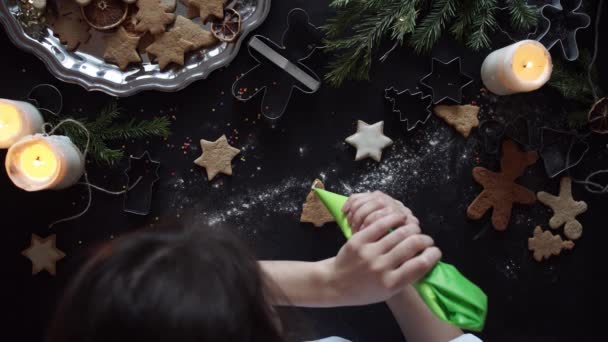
point(446, 80)
point(561, 150)
point(559, 25)
point(280, 69)
point(142, 174)
point(417, 105)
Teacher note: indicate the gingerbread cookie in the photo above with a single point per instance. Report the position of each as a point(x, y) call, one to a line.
point(500, 190)
point(544, 244)
point(189, 31)
point(207, 8)
point(121, 48)
point(565, 209)
point(43, 254)
point(70, 28)
point(152, 16)
point(369, 140)
point(168, 50)
point(462, 118)
point(217, 157)
point(314, 211)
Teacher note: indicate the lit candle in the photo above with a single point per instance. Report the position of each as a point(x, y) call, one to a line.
point(17, 119)
point(517, 68)
point(38, 162)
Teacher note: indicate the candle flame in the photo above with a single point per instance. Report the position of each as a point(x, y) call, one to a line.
point(529, 64)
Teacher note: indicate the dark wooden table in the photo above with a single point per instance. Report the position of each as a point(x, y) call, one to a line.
point(429, 169)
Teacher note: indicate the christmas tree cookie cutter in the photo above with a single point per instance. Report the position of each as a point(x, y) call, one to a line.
point(559, 24)
point(417, 105)
point(142, 175)
point(561, 150)
point(281, 68)
point(446, 80)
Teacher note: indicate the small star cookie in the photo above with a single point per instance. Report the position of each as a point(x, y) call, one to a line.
point(565, 209)
point(71, 29)
point(152, 16)
point(121, 48)
point(544, 244)
point(217, 157)
point(169, 50)
point(43, 254)
point(462, 118)
point(314, 211)
point(189, 31)
point(369, 140)
point(207, 8)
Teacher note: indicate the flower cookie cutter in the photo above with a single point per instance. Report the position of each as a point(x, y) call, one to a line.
point(417, 105)
point(142, 175)
point(446, 80)
point(281, 68)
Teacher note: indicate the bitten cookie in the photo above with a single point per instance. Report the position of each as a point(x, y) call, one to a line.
point(314, 211)
point(565, 209)
point(544, 244)
point(500, 190)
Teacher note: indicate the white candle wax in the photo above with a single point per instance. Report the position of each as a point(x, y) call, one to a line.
point(17, 119)
point(521, 67)
point(38, 162)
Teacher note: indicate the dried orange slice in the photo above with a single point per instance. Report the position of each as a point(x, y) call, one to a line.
point(105, 14)
point(229, 28)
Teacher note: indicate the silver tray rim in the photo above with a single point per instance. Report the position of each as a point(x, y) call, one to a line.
point(20, 39)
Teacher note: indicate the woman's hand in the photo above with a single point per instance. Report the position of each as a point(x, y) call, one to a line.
point(374, 265)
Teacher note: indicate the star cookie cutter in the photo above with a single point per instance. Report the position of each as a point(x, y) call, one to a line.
point(281, 68)
point(142, 175)
point(560, 25)
point(561, 150)
point(446, 80)
point(417, 105)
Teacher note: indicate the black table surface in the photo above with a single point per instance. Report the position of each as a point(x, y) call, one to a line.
point(428, 168)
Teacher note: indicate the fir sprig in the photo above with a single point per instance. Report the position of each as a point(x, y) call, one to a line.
point(105, 129)
point(360, 26)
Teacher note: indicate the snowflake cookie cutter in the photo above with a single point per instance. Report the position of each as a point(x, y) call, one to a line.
point(561, 150)
point(142, 175)
point(299, 41)
point(560, 25)
point(407, 100)
point(446, 80)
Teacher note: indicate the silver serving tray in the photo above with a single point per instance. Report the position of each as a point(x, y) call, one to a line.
point(87, 68)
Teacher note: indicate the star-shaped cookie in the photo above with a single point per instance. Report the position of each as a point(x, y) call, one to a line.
point(565, 209)
point(217, 157)
point(544, 244)
point(314, 211)
point(43, 254)
point(121, 48)
point(189, 31)
point(207, 8)
point(152, 16)
point(369, 140)
point(169, 50)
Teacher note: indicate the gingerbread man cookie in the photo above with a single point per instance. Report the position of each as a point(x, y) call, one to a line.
point(565, 209)
point(500, 190)
point(544, 244)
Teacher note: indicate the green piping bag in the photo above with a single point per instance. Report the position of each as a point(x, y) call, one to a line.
point(448, 294)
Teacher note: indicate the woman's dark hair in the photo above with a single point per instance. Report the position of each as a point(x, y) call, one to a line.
point(202, 286)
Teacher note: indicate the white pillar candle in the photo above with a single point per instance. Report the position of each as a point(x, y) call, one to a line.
point(38, 162)
point(18, 119)
point(521, 67)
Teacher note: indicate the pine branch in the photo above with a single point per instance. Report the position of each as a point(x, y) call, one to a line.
point(158, 127)
point(429, 30)
point(523, 16)
point(570, 79)
point(462, 25)
point(483, 24)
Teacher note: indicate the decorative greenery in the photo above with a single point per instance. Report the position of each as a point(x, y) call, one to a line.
point(570, 80)
point(359, 27)
point(104, 130)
